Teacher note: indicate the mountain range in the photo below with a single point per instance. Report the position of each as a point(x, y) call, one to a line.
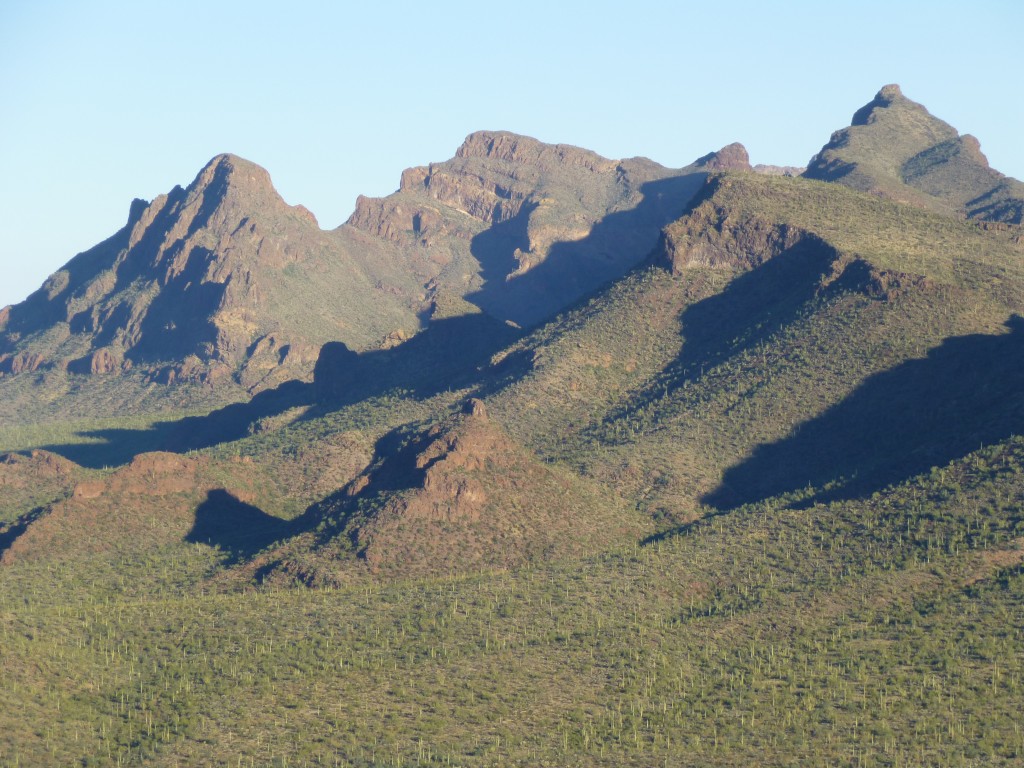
point(543, 458)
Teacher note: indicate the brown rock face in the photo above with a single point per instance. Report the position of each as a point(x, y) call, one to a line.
point(19, 471)
point(711, 237)
point(25, 362)
point(98, 362)
point(475, 407)
point(149, 474)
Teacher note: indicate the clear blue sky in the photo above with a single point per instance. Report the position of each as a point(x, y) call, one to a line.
point(101, 102)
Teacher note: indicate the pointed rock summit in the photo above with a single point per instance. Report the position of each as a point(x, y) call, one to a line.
point(895, 148)
point(884, 98)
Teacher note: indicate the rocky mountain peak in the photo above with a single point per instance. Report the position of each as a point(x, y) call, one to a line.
point(896, 149)
point(135, 210)
point(236, 172)
point(182, 291)
point(229, 180)
point(971, 147)
point(732, 157)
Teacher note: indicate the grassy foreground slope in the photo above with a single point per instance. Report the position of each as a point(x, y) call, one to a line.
point(876, 632)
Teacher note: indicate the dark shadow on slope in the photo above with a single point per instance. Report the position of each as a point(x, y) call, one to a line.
point(758, 304)
point(179, 319)
point(616, 244)
point(1004, 203)
point(496, 246)
point(451, 353)
point(231, 422)
point(392, 469)
point(239, 529)
point(9, 533)
point(752, 308)
point(924, 413)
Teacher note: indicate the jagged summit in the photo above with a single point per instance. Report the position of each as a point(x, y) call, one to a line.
point(897, 149)
point(522, 228)
point(239, 171)
point(223, 282)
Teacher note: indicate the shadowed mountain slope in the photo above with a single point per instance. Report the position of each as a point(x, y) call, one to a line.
point(895, 148)
point(896, 424)
point(224, 290)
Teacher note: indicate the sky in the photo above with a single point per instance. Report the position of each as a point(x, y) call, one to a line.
point(104, 102)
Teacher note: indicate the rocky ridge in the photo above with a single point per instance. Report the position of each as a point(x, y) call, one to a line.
point(224, 284)
point(216, 282)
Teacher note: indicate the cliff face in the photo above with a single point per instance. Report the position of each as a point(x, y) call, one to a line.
point(720, 235)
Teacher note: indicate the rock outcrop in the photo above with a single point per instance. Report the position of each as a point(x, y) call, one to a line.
point(715, 235)
point(732, 157)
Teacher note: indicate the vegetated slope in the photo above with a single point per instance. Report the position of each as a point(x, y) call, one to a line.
point(167, 521)
point(32, 479)
point(878, 631)
point(777, 301)
point(895, 148)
